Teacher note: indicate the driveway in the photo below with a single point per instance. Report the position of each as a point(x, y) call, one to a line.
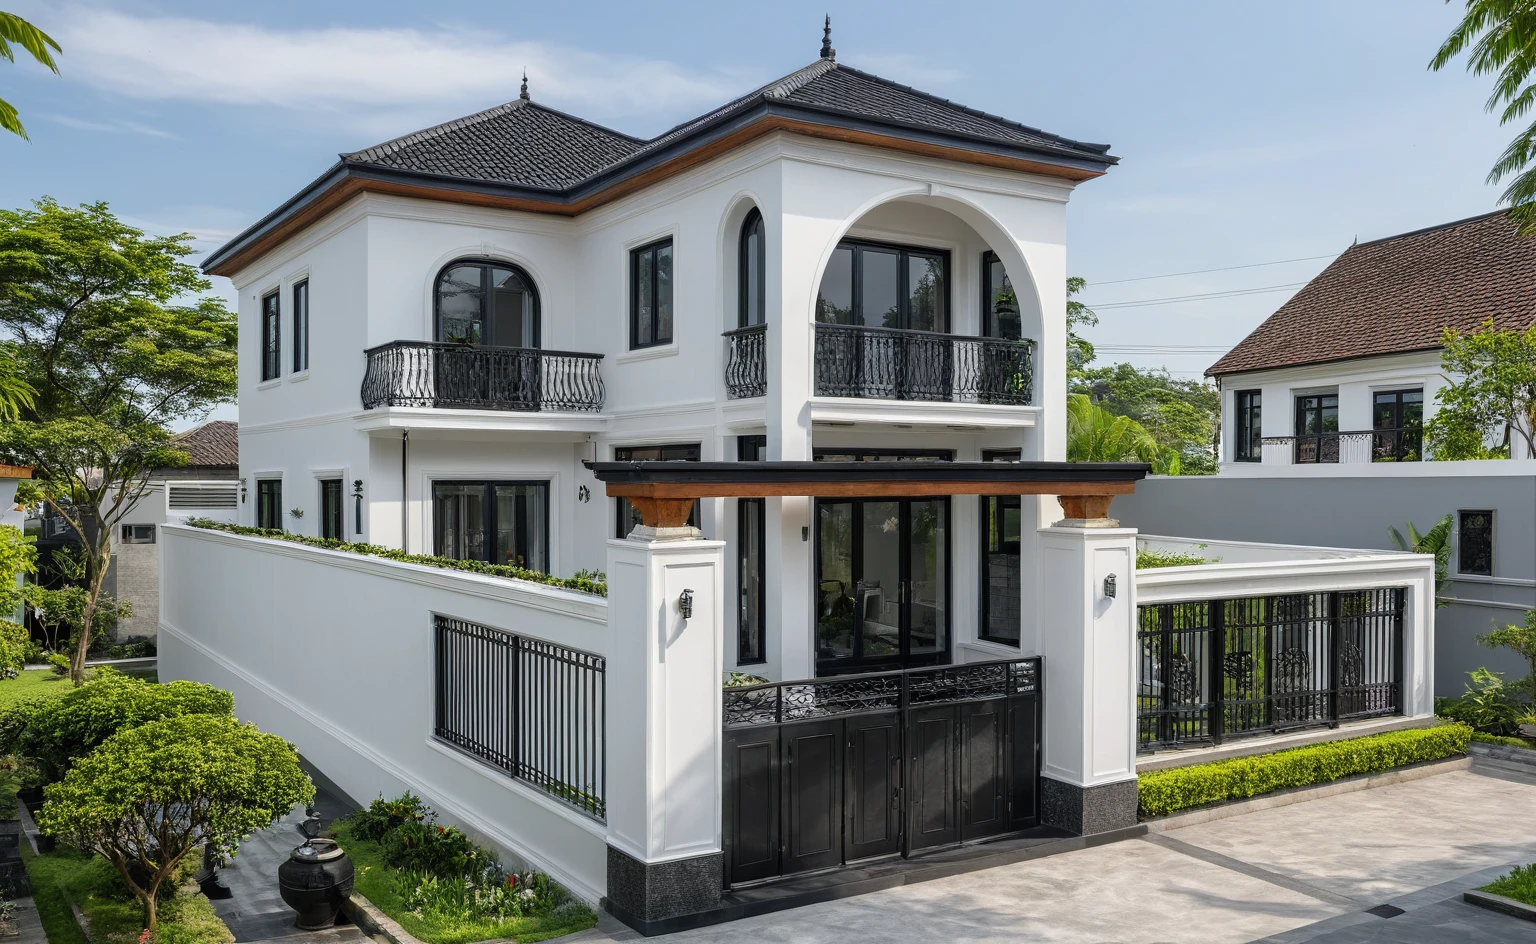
point(1311, 871)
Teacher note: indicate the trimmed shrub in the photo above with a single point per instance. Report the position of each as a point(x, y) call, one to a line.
point(382, 816)
point(1168, 791)
point(1482, 738)
point(13, 647)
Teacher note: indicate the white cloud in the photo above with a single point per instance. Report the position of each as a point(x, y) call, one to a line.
point(116, 126)
point(358, 74)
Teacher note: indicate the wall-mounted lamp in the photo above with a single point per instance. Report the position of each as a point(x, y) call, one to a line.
point(357, 496)
point(242, 490)
point(584, 494)
point(685, 605)
point(1109, 587)
point(805, 534)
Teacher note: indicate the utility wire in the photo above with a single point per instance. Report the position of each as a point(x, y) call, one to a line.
point(1251, 265)
point(1203, 296)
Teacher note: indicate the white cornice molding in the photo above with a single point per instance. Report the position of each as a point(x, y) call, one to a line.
point(319, 419)
point(477, 421)
point(915, 413)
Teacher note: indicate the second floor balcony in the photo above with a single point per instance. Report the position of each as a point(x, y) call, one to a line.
point(1348, 447)
point(896, 364)
point(463, 376)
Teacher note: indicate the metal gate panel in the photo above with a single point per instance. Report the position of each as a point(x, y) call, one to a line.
point(813, 796)
point(932, 800)
point(1023, 748)
point(873, 786)
point(751, 803)
point(983, 775)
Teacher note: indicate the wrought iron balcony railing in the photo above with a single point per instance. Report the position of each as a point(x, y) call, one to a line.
point(425, 373)
point(893, 364)
point(746, 362)
point(1405, 444)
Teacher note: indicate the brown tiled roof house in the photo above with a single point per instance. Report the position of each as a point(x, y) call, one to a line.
point(213, 451)
point(1398, 295)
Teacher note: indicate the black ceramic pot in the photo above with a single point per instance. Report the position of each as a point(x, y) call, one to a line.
point(314, 881)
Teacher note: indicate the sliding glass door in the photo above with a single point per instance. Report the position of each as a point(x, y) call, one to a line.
point(495, 522)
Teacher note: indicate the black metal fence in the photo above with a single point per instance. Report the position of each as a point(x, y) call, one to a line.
point(893, 364)
point(746, 362)
point(1217, 669)
point(429, 374)
point(1405, 444)
point(532, 708)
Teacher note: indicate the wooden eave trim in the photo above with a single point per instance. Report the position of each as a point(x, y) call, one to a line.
point(8, 471)
point(351, 185)
point(858, 489)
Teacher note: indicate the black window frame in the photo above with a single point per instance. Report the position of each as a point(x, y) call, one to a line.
point(488, 515)
point(655, 300)
point(271, 336)
point(682, 452)
point(1402, 441)
point(487, 325)
point(903, 296)
point(301, 326)
point(1489, 536)
point(269, 504)
point(135, 534)
point(333, 516)
point(1321, 453)
point(1247, 426)
point(751, 449)
point(994, 506)
point(753, 225)
point(988, 309)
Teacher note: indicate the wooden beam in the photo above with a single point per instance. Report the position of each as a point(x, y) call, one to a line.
point(1086, 507)
point(662, 512)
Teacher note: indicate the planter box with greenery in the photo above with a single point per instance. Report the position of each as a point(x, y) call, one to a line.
point(1162, 792)
point(1513, 893)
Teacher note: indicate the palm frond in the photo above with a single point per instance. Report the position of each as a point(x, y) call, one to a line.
point(14, 29)
point(9, 121)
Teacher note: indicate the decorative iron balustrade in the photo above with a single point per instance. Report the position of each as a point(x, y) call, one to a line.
point(533, 709)
point(1217, 669)
point(746, 362)
point(814, 699)
point(1405, 444)
point(432, 374)
point(894, 364)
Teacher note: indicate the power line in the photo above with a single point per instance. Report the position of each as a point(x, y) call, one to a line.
point(1202, 296)
point(1251, 265)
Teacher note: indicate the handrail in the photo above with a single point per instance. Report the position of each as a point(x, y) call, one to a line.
point(443, 375)
point(899, 364)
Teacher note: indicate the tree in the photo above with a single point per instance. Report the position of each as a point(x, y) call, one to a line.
point(152, 795)
point(1079, 315)
point(1499, 37)
point(111, 331)
point(14, 29)
point(1522, 639)
point(1435, 542)
point(1096, 435)
point(15, 393)
point(1493, 396)
point(1182, 415)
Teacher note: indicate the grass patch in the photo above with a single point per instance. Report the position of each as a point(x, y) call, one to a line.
point(31, 684)
point(1161, 792)
point(1482, 738)
point(1519, 884)
point(115, 916)
point(380, 884)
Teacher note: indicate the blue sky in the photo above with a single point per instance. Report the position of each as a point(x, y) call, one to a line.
point(1248, 132)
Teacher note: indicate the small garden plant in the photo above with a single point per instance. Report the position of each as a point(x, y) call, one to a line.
point(1519, 883)
point(445, 889)
point(1149, 559)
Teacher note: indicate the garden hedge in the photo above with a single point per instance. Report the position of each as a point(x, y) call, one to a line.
point(1168, 791)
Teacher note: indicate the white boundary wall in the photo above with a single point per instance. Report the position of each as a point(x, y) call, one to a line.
point(334, 652)
point(1247, 569)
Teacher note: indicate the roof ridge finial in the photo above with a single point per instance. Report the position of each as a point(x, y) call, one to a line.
point(827, 52)
point(523, 94)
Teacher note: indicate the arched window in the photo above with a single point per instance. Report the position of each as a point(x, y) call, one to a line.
point(487, 304)
point(751, 285)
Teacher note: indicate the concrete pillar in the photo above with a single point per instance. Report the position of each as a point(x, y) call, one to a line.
point(663, 736)
point(1087, 639)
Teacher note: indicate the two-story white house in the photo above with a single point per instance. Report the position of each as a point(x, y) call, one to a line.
point(438, 330)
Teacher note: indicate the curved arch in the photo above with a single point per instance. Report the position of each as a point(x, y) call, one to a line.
point(483, 252)
point(486, 302)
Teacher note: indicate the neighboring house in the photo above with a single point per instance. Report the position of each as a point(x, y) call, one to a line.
point(1323, 408)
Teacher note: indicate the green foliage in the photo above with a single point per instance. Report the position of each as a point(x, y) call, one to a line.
point(14, 29)
point(1492, 394)
point(18, 556)
point(61, 613)
point(1499, 37)
point(1150, 559)
point(134, 647)
point(1168, 791)
point(1183, 416)
point(740, 679)
point(1518, 883)
point(442, 851)
point(13, 648)
point(1486, 705)
point(58, 732)
point(60, 663)
point(1435, 542)
point(584, 581)
point(1521, 639)
point(1482, 738)
point(152, 794)
point(1079, 349)
point(114, 914)
point(382, 816)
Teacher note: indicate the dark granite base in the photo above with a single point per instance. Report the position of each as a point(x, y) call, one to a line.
point(642, 894)
point(1084, 811)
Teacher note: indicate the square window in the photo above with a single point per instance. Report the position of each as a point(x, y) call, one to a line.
point(138, 534)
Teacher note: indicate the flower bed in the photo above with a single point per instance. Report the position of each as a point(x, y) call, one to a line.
point(442, 888)
point(582, 582)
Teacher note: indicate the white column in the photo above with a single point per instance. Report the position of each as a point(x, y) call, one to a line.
point(1087, 639)
point(663, 737)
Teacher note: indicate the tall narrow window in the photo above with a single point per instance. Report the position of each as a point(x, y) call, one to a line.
point(331, 515)
point(487, 304)
point(1397, 424)
point(1317, 428)
point(271, 337)
point(751, 557)
point(301, 327)
point(269, 504)
point(751, 284)
point(650, 295)
point(1474, 540)
point(999, 302)
point(628, 516)
point(495, 522)
point(1002, 576)
point(1247, 428)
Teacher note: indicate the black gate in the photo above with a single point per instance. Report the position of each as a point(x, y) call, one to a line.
point(824, 772)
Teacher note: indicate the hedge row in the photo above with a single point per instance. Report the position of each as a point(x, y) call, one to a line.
point(583, 582)
point(1168, 791)
point(1501, 741)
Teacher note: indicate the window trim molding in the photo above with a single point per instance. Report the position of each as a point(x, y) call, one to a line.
point(486, 263)
point(631, 292)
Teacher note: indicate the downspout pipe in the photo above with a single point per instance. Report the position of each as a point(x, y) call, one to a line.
point(405, 516)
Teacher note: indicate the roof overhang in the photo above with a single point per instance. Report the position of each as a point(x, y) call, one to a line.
point(345, 180)
point(8, 471)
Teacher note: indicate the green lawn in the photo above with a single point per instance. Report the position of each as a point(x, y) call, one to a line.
point(31, 684)
point(376, 882)
point(115, 916)
point(1519, 884)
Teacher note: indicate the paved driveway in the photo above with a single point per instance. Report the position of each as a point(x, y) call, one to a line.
point(1305, 872)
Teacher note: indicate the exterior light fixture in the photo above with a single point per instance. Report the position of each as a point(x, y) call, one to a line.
point(357, 495)
point(242, 490)
point(1109, 587)
point(685, 605)
point(584, 494)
